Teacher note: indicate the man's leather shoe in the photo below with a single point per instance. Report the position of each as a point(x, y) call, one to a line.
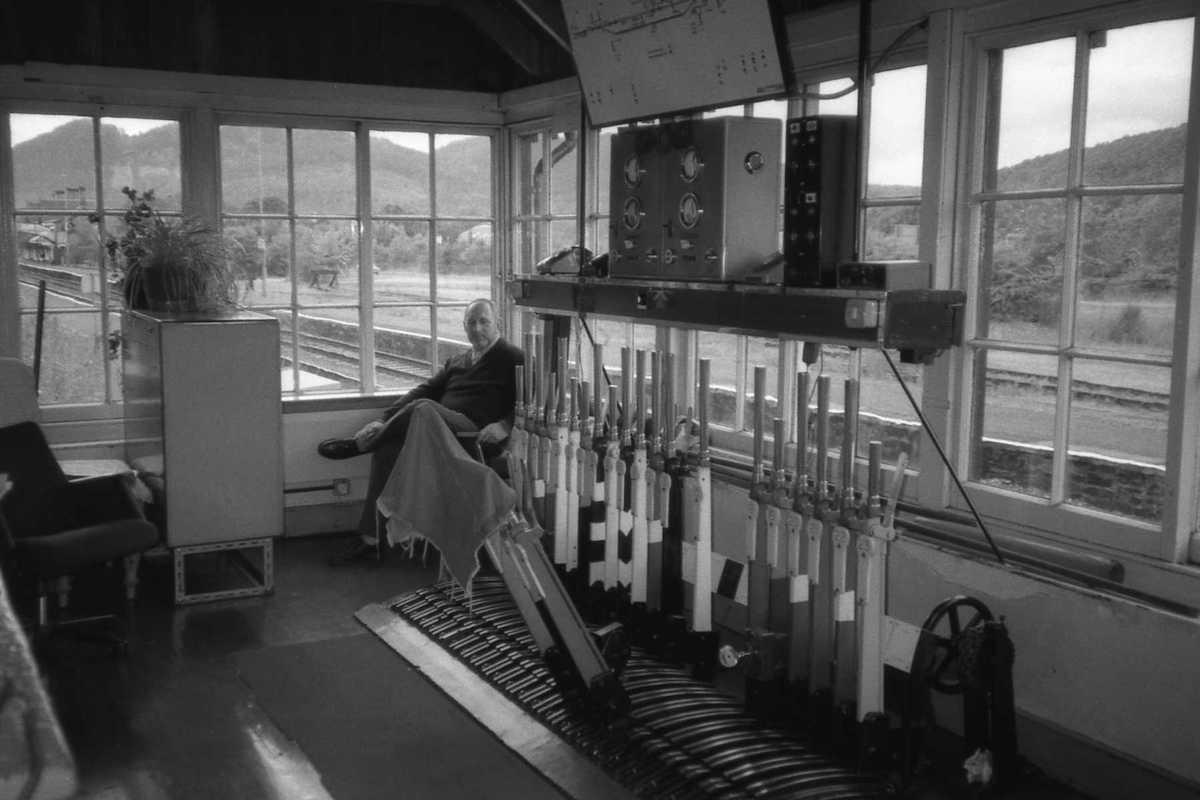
point(360, 552)
point(338, 448)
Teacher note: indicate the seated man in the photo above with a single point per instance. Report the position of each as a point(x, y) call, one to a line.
point(474, 391)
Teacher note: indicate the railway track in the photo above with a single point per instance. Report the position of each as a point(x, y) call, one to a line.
point(338, 360)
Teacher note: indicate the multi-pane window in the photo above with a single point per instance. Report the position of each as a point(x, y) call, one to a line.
point(367, 259)
point(545, 167)
point(68, 176)
point(888, 230)
point(1074, 251)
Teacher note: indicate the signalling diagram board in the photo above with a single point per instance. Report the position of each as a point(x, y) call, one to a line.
point(647, 58)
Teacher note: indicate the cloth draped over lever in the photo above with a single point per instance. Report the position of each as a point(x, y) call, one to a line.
point(439, 492)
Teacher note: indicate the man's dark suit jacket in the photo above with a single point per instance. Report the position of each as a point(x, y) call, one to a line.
point(484, 392)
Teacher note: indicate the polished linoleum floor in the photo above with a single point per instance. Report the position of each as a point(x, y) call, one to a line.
point(173, 718)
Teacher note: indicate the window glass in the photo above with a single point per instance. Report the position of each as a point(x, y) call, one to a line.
point(1034, 121)
point(74, 353)
point(603, 162)
point(327, 348)
point(324, 168)
point(1127, 273)
point(1123, 117)
point(844, 104)
point(452, 339)
point(326, 262)
point(835, 364)
point(727, 377)
point(891, 232)
point(564, 196)
point(1015, 421)
point(896, 144)
point(54, 177)
point(531, 177)
point(464, 261)
point(53, 162)
point(142, 154)
point(399, 172)
point(1107, 378)
point(885, 413)
point(254, 170)
point(401, 269)
point(260, 252)
point(1118, 438)
point(464, 175)
point(761, 352)
point(1022, 269)
point(563, 234)
point(403, 356)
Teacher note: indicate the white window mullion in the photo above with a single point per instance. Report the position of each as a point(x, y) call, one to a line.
point(366, 259)
point(938, 217)
point(110, 379)
point(434, 344)
point(741, 384)
point(294, 288)
point(1070, 270)
point(1183, 477)
point(10, 289)
point(501, 222)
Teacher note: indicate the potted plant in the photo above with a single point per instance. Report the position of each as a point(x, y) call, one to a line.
point(169, 264)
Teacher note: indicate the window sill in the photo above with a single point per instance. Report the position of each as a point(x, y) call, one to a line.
point(1173, 588)
point(337, 402)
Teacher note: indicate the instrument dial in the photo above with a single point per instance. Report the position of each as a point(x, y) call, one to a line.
point(633, 171)
point(689, 210)
point(690, 164)
point(631, 214)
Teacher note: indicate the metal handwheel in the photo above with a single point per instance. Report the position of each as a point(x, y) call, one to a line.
point(942, 640)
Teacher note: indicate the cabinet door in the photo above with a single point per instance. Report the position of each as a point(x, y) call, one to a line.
point(222, 431)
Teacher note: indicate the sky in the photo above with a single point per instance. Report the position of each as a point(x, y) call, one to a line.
point(1035, 101)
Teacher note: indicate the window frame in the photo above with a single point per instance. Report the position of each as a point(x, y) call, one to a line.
point(363, 220)
point(195, 101)
point(111, 406)
point(1074, 525)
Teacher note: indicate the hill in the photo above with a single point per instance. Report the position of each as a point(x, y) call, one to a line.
point(1129, 242)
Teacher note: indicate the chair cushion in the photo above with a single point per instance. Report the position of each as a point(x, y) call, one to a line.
point(65, 553)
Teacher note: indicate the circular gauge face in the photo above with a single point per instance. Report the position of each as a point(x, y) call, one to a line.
point(754, 162)
point(690, 164)
point(689, 210)
point(633, 171)
point(631, 215)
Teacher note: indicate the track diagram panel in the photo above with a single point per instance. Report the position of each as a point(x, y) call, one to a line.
point(646, 58)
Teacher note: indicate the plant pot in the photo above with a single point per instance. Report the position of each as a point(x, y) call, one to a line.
point(157, 289)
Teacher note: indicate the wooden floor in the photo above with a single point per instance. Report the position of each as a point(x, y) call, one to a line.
point(172, 719)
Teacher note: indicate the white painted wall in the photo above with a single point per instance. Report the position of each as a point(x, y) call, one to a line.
point(304, 468)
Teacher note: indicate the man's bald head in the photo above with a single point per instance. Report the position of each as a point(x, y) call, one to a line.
point(480, 324)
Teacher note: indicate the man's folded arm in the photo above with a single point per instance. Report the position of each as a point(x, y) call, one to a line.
point(433, 388)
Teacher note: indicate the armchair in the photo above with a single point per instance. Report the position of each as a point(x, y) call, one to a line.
point(52, 528)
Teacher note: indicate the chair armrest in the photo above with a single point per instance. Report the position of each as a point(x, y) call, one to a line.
point(100, 499)
point(470, 442)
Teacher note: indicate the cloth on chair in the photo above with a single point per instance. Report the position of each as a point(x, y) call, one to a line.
point(437, 491)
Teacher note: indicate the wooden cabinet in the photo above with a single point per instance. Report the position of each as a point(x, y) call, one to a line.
point(203, 413)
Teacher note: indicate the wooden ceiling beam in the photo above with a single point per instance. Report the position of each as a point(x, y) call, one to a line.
point(506, 29)
point(548, 15)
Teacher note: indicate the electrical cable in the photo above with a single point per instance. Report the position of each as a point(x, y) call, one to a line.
point(883, 56)
point(945, 459)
